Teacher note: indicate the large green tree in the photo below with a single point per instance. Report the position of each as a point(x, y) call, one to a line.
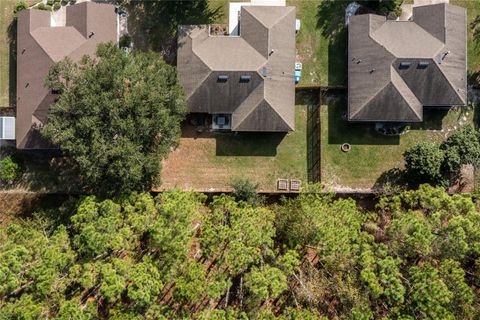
point(415, 255)
point(117, 116)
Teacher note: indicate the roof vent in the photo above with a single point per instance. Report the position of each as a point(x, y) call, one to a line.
point(264, 71)
point(245, 78)
point(405, 64)
point(222, 78)
point(423, 64)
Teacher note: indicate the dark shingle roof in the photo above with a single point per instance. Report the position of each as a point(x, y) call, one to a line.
point(39, 46)
point(265, 50)
point(396, 68)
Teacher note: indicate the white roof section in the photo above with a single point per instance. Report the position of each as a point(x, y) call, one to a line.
point(7, 128)
point(235, 7)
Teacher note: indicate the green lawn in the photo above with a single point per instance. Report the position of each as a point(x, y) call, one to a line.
point(473, 11)
point(322, 41)
point(372, 153)
point(211, 161)
point(6, 16)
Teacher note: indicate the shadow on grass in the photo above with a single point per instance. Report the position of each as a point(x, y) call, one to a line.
point(390, 182)
point(154, 24)
point(341, 131)
point(259, 144)
point(311, 99)
point(12, 63)
point(432, 119)
point(44, 172)
point(331, 21)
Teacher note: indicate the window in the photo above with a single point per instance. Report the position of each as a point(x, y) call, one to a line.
point(245, 78)
point(423, 64)
point(222, 78)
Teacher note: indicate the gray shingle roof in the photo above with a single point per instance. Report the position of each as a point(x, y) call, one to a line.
point(39, 46)
point(395, 68)
point(265, 50)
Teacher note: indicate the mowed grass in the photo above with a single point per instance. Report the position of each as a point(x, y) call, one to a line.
point(6, 17)
point(473, 11)
point(373, 153)
point(322, 42)
point(211, 161)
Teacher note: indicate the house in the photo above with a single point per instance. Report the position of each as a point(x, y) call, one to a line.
point(245, 82)
point(396, 68)
point(40, 44)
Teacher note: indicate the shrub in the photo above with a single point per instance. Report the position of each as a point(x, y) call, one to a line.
point(125, 41)
point(50, 2)
point(423, 163)
point(19, 6)
point(9, 169)
point(43, 6)
point(245, 190)
point(57, 6)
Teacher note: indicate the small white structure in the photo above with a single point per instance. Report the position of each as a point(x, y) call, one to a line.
point(7, 128)
point(234, 12)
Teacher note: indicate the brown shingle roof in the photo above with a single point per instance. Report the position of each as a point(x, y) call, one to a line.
point(396, 68)
point(39, 46)
point(265, 50)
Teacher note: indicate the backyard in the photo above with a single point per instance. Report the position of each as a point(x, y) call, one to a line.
point(373, 155)
point(211, 161)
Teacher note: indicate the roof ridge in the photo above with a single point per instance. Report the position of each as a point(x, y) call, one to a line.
point(252, 109)
point(271, 107)
point(369, 100)
point(448, 80)
point(397, 78)
point(259, 20)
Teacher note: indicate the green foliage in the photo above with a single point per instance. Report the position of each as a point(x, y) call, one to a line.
point(428, 163)
point(57, 6)
point(266, 282)
point(19, 6)
point(43, 6)
point(245, 190)
point(423, 163)
point(463, 147)
point(117, 117)
point(9, 169)
point(50, 2)
point(125, 41)
point(416, 255)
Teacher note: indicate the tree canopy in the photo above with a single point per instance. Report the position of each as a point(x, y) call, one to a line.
point(416, 255)
point(117, 116)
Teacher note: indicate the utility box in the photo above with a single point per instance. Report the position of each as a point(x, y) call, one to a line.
point(7, 128)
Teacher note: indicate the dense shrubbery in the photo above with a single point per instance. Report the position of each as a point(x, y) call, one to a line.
point(439, 163)
point(9, 169)
point(416, 255)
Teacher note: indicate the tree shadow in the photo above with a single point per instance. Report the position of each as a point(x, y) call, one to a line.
point(390, 182)
point(331, 22)
point(46, 171)
point(12, 62)
point(340, 130)
point(154, 24)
